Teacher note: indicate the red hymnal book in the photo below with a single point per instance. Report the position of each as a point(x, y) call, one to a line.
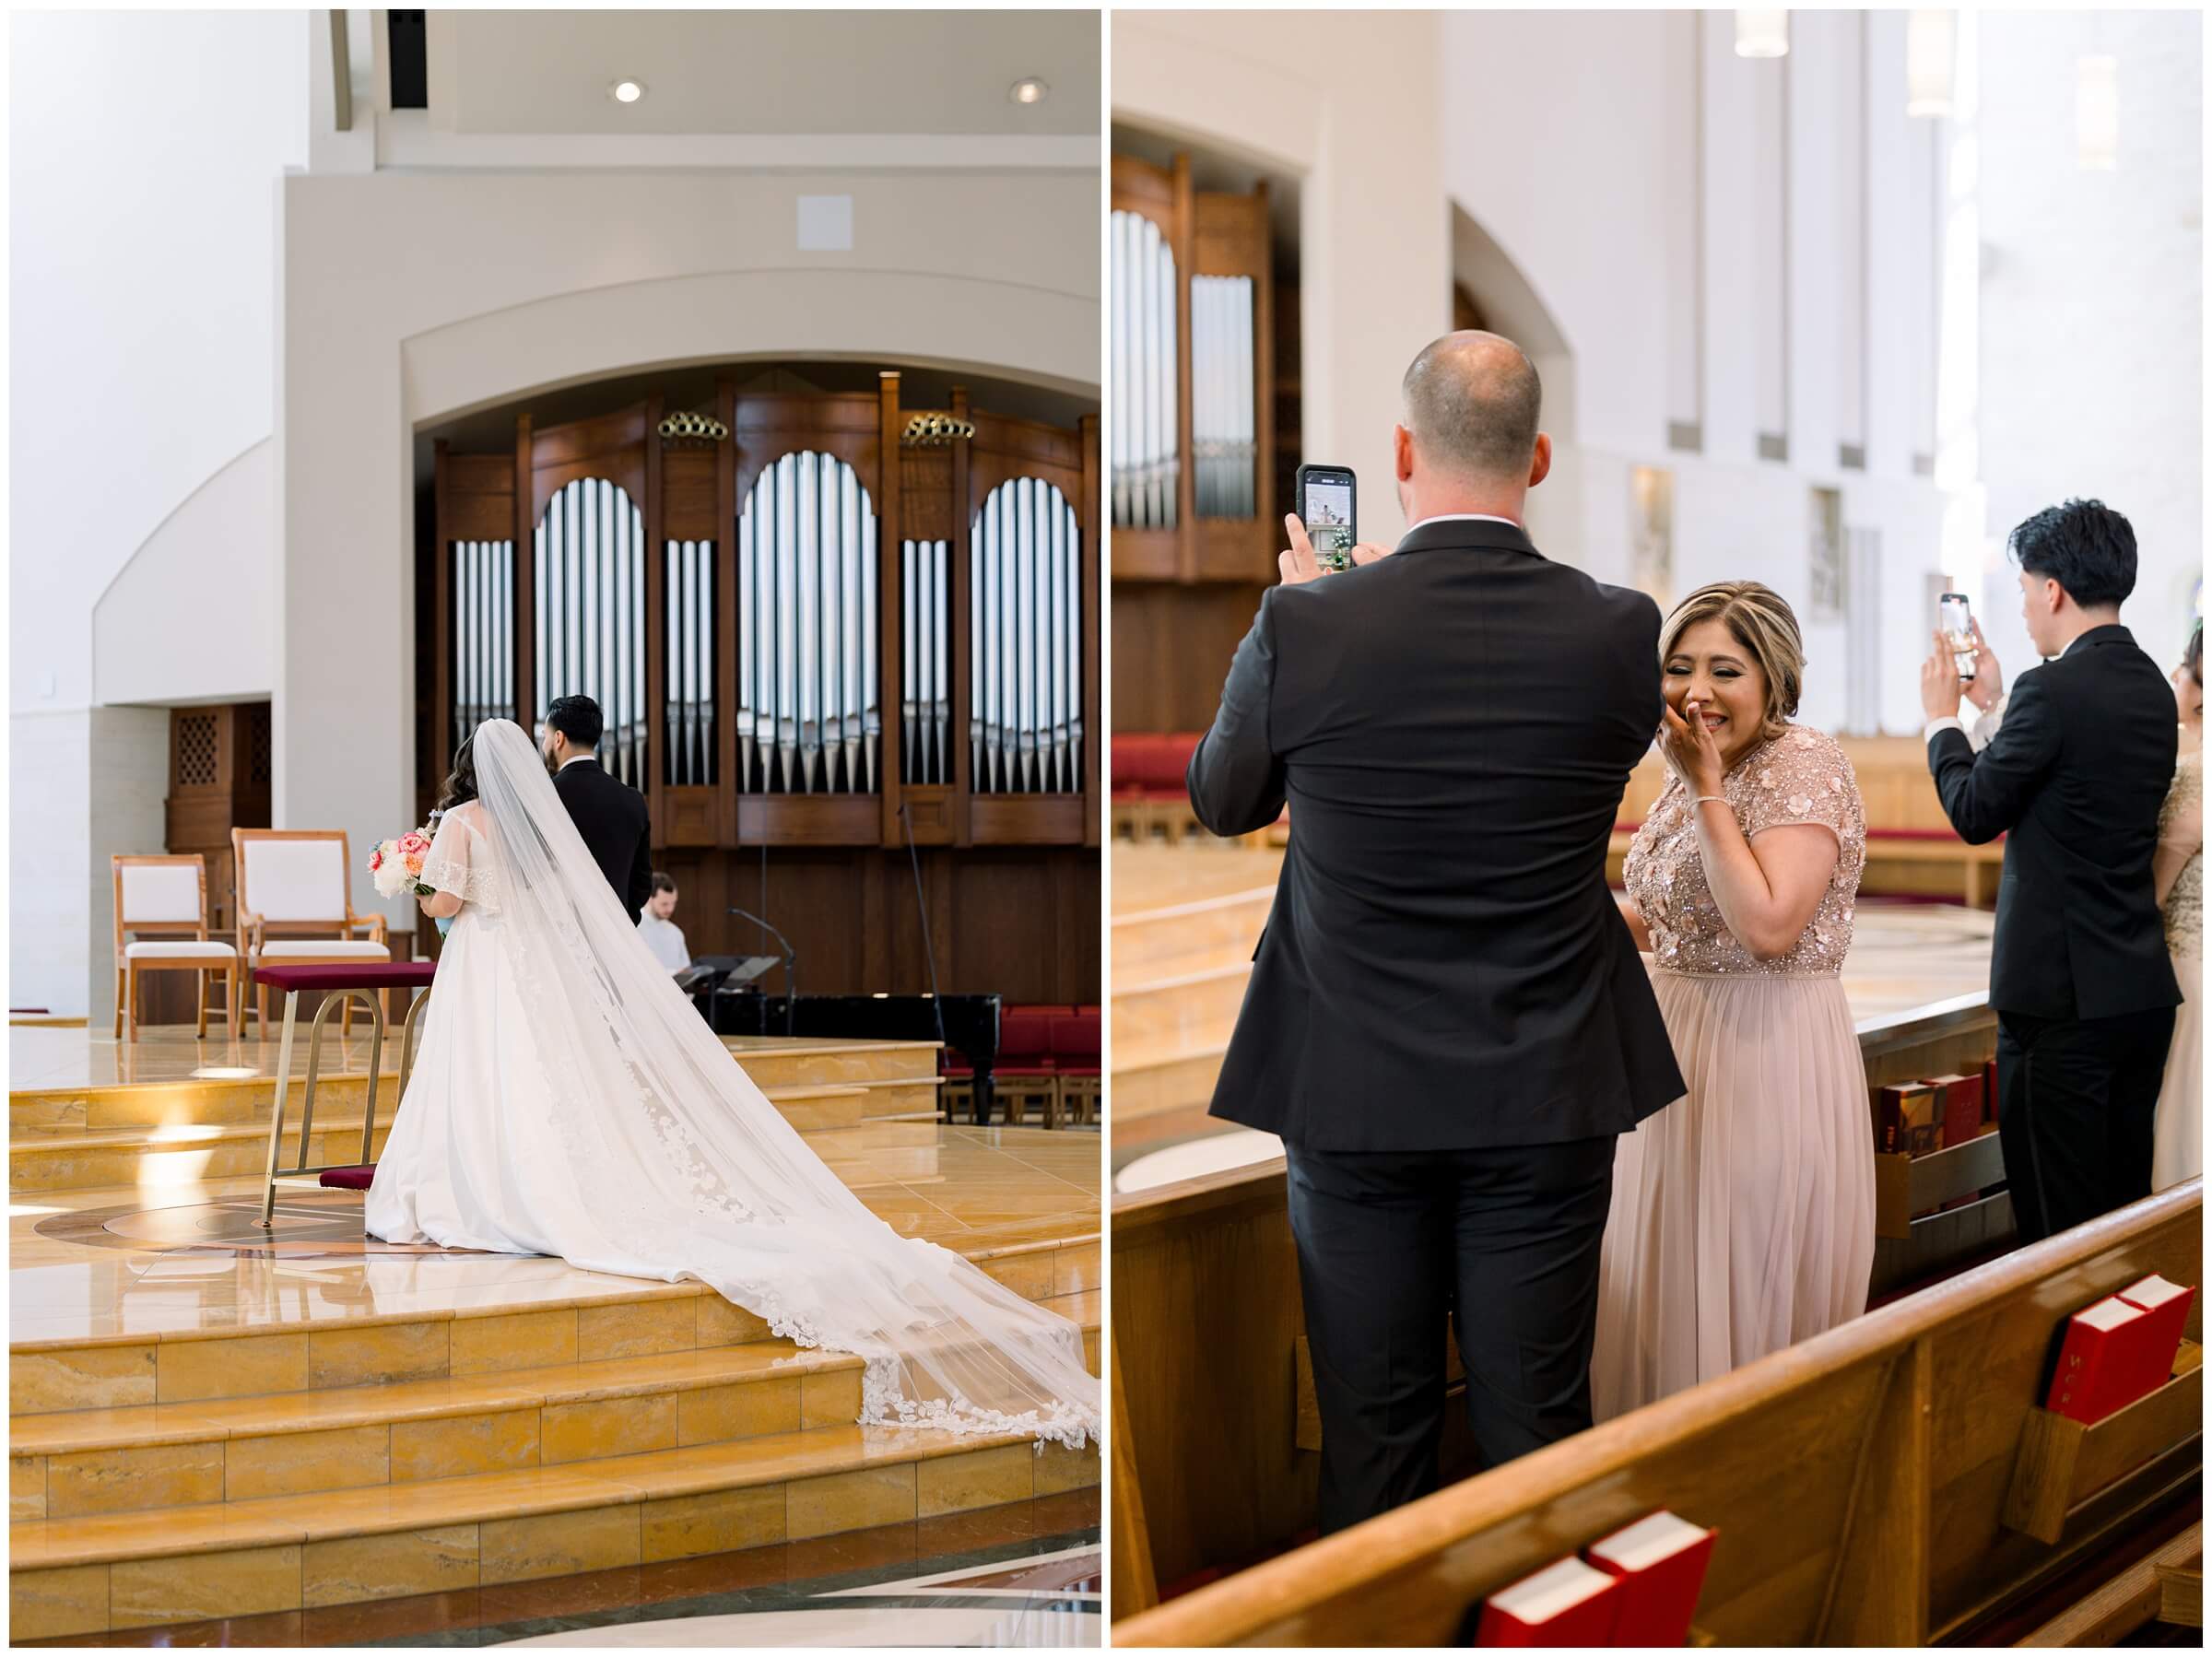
point(2099, 1361)
point(2166, 1305)
point(1570, 1604)
point(1904, 1119)
point(1961, 1112)
point(1661, 1563)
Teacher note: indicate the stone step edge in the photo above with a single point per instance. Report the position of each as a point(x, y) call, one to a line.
point(1193, 906)
point(449, 1314)
point(1181, 980)
point(36, 1545)
point(377, 1404)
point(1122, 1066)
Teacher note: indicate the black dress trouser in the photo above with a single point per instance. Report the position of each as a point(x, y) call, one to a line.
point(2076, 1099)
point(1391, 1242)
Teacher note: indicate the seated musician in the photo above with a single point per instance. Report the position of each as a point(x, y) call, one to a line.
point(657, 925)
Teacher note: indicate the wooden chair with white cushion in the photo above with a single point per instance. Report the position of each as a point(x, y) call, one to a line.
point(166, 899)
point(295, 891)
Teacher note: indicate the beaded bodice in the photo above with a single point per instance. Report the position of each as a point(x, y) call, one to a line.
point(2180, 819)
point(1800, 776)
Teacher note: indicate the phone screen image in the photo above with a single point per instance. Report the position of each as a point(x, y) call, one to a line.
point(1328, 520)
point(1957, 631)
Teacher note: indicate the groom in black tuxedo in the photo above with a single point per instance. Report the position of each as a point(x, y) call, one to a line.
point(610, 816)
point(1447, 1022)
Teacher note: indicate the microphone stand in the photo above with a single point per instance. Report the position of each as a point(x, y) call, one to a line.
point(929, 952)
point(791, 964)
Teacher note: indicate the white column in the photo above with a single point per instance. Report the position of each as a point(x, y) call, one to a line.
point(1682, 79)
point(1730, 246)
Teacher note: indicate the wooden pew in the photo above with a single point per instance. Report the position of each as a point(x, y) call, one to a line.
point(1860, 1481)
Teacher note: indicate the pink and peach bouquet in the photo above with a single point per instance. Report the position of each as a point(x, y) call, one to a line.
point(396, 864)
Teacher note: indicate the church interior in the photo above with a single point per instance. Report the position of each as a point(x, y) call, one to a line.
point(737, 370)
point(1823, 300)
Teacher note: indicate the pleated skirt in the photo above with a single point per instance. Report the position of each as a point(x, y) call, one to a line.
point(1741, 1218)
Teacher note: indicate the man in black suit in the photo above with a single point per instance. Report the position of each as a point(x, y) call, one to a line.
point(2074, 775)
point(610, 814)
point(1447, 1022)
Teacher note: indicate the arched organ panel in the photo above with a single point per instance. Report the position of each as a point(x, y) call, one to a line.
point(1190, 290)
point(1146, 457)
point(808, 717)
point(589, 623)
point(1026, 620)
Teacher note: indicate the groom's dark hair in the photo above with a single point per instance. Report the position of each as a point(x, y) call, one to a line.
point(1471, 402)
point(578, 719)
point(2085, 546)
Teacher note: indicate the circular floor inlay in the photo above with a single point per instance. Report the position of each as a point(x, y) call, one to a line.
point(307, 1224)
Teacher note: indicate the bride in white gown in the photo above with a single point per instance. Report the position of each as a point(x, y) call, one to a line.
point(569, 1100)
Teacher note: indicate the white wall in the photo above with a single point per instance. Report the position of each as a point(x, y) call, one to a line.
point(1613, 156)
point(2092, 302)
point(144, 148)
point(1349, 103)
point(407, 297)
point(205, 574)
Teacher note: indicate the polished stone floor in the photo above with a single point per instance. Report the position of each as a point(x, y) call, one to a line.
point(43, 1057)
point(93, 1263)
point(1028, 1574)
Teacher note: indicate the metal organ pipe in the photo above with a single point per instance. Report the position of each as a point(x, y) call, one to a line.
point(690, 632)
point(483, 635)
point(1025, 674)
point(922, 641)
point(1143, 289)
point(806, 682)
point(589, 553)
point(1223, 416)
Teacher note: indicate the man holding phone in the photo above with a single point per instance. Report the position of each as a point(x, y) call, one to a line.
point(2073, 769)
point(1446, 1023)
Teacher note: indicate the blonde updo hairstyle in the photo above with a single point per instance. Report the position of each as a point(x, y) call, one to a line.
point(1758, 619)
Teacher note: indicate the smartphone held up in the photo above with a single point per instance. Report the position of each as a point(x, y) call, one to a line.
point(1327, 503)
point(1956, 618)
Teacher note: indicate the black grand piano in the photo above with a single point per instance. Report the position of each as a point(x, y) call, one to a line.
point(970, 1023)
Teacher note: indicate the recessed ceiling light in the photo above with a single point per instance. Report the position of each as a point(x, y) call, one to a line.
point(1028, 90)
point(626, 91)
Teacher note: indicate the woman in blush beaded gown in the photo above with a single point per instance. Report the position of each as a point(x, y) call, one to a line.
point(2178, 1143)
point(1743, 1214)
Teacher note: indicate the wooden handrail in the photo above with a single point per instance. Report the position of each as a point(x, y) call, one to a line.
point(1255, 1605)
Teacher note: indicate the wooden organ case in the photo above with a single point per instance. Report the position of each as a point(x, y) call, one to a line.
point(817, 624)
point(1192, 456)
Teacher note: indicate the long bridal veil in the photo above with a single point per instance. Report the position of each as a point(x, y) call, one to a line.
point(697, 1175)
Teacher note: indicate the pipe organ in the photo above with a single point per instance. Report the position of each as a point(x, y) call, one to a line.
point(483, 624)
point(690, 703)
point(1144, 400)
point(808, 720)
point(817, 554)
point(926, 713)
point(589, 615)
point(1027, 733)
point(1190, 280)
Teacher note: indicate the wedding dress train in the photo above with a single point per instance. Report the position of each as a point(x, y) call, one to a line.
point(569, 1100)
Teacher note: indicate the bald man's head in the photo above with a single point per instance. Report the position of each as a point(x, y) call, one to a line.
point(1471, 403)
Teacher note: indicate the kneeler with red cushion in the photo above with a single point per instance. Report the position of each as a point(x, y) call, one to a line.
point(340, 982)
